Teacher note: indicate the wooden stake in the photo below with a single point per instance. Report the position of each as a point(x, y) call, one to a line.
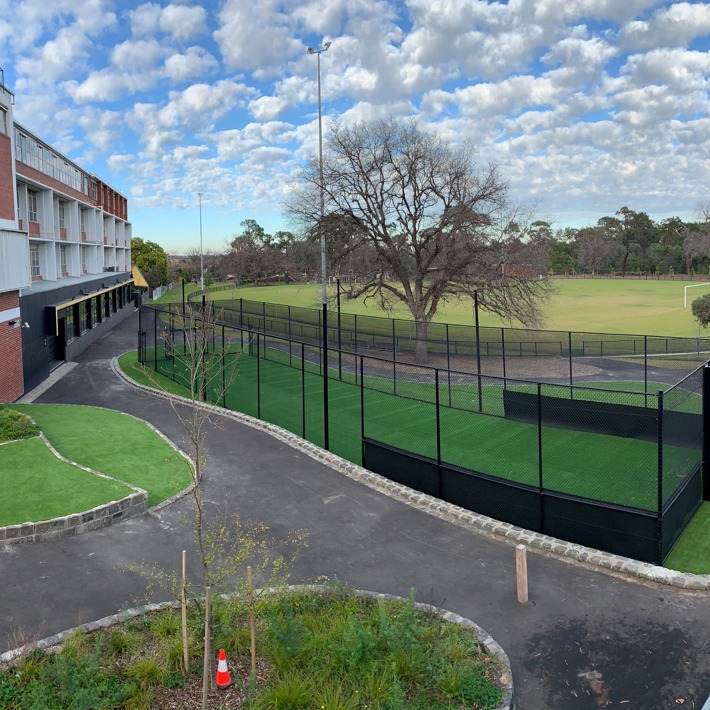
point(521, 572)
point(252, 629)
point(206, 664)
point(183, 603)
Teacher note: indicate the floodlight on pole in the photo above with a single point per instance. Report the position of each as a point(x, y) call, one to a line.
point(324, 291)
point(202, 263)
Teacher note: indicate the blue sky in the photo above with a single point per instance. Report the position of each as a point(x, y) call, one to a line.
point(586, 105)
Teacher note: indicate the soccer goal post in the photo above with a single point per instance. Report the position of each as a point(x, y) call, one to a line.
point(685, 292)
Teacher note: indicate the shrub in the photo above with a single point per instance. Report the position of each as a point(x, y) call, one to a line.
point(14, 425)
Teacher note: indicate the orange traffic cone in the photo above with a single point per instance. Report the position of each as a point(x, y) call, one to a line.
point(223, 679)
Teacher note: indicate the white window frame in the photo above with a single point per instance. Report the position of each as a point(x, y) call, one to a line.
point(3, 121)
point(32, 215)
point(62, 216)
point(63, 258)
point(34, 260)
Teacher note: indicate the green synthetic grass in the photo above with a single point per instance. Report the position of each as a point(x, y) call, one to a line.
point(582, 305)
point(115, 444)
point(36, 485)
point(596, 466)
point(692, 551)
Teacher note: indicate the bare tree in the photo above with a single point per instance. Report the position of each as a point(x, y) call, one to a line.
point(430, 221)
point(597, 249)
point(702, 210)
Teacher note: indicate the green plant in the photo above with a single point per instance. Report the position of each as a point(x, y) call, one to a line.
point(147, 671)
point(470, 686)
point(289, 692)
point(15, 425)
point(120, 641)
point(166, 625)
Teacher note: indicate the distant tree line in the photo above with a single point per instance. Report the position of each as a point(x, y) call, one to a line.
point(631, 242)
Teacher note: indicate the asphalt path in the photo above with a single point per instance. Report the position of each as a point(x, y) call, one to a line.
point(586, 639)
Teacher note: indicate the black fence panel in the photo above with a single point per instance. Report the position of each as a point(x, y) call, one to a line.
point(680, 509)
point(417, 472)
point(621, 531)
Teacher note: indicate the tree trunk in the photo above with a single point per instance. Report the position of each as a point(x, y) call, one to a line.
point(420, 346)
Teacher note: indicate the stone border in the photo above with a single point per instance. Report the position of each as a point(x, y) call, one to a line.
point(101, 516)
point(489, 644)
point(475, 522)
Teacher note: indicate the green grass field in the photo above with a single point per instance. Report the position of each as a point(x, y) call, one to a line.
point(112, 443)
point(622, 471)
point(37, 485)
point(583, 305)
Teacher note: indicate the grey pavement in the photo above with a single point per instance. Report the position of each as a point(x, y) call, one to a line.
point(586, 639)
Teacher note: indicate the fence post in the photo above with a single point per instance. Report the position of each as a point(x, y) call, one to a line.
point(645, 369)
point(224, 374)
point(362, 411)
point(706, 432)
point(569, 350)
point(478, 351)
point(303, 390)
point(258, 378)
point(438, 433)
point(539, 457)
point(448, 362)
point(155, 340)
point(502, 345)
point(659, 522)
point(141, 358)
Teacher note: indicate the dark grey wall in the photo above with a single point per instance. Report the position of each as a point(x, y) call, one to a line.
point(36, 339)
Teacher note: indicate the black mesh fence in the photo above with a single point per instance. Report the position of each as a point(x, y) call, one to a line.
point(607, 461)
point(649, 362)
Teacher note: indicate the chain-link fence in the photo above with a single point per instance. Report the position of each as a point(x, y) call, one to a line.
point(615, 467)
point(650, 362)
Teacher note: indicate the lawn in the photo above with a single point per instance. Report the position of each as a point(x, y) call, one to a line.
point(112, 443)
point(581, 305)
point(36, 485)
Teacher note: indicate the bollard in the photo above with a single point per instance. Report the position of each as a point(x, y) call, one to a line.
point(521, 572)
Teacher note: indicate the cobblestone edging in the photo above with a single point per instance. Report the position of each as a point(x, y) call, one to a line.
point(492, 648)
point(482, 524)
point(101, 516)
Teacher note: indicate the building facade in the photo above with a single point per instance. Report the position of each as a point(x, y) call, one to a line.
point(65, 256)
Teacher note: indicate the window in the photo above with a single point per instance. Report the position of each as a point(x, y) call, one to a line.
point(83, 260)
point(34, 259)
point(3, 120)
point(83, 324)
point(63, 259)
point(32, 206)
point(93, 312)
point(93, 191)
point(62, 219)
point(82, 219)
point(71, 322)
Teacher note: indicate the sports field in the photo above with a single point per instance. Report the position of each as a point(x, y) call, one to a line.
point(591, 465)
point(591, 305)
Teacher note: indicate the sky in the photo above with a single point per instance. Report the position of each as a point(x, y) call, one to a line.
point(585, 105)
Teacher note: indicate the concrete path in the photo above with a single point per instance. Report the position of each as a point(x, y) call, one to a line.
point(585, 640)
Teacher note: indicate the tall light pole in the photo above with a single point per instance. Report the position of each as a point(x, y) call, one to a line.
point(202, 263)
point(324, 289)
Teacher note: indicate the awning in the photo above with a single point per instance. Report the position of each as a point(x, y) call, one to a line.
point(138, 278)
point(55, 308)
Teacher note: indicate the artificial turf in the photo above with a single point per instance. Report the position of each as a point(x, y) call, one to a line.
point(618, 470)
point(36, 485)
point(692, 551)
point(115, 444)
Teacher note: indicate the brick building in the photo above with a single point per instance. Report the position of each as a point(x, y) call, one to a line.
point(65, 256)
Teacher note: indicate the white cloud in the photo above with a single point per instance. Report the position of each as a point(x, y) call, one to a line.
point(194, 62)
point(181, 22)
point(674, 26)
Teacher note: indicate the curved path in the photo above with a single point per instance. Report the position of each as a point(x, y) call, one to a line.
point(585, 640)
